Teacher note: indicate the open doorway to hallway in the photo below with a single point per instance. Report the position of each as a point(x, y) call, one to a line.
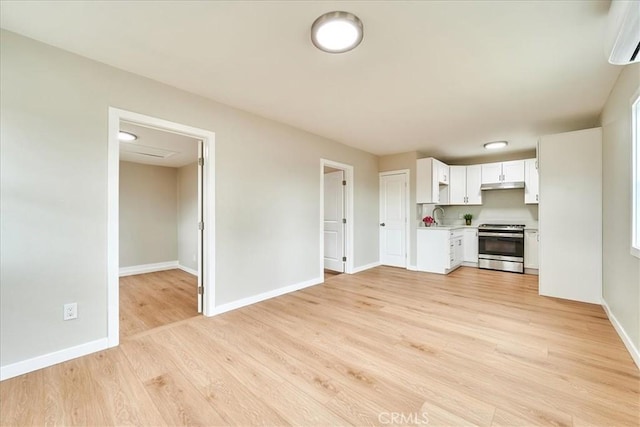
point(160, 199)
point(336, 209)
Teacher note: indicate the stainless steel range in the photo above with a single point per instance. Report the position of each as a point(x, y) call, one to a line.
point(501, 247)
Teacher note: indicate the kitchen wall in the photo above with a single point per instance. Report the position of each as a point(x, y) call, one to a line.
point(497, 206)
point(188, 216)
point(53, 194)
point(621, 270)
point(148, 217)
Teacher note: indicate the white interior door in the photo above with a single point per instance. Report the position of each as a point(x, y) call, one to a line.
point(393, 220)
point(334, 221)
point(200, 292)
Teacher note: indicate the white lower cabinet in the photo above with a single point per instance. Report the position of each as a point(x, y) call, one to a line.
point(470, 246)
point(531, 249)
point(439, 251)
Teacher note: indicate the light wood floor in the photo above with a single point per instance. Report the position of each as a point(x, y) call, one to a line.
point(473, 348)
point(330, 274)
point(151, 300)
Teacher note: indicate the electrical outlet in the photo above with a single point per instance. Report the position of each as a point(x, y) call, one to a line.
point(70, 311)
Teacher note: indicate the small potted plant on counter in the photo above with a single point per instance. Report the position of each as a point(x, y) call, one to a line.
point(428, 221)
point(467, 218)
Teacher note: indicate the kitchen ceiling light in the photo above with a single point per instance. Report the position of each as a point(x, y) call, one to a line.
point(495, 145)
point(337, 32)
point(126, 136)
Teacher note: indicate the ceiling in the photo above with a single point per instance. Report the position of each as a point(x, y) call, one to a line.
point(439, 77)
point(157, 147)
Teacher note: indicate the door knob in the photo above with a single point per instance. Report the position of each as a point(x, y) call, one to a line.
point(382, 224)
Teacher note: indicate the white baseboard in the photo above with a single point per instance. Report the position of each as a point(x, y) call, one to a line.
point(50, 359)
point(365, 267)
point(265, 296)
point(188, 270)
point(148, 268)
point(635, 354)
point(412, 267)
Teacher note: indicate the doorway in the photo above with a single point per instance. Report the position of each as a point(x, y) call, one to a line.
point(334, 222)
point(204, 228)
point(160, 241)
point(336, 218)
point(394, 226)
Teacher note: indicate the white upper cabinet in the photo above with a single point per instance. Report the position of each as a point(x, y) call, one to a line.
point(531, 181)
point(494, 173)
point(464, 185)
point(474, 181)
point(491, 173)
point(457, 185)
point(432, 177)
point(513, 171)
point(443, 172)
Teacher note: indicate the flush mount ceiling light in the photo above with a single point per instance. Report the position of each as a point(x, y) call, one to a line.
point(495, 145)
point(337, 32)
point(126, 136)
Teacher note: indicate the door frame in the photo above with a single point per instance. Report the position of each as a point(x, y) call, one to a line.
point(407, 225)
point(207, 267)
point(348, 211)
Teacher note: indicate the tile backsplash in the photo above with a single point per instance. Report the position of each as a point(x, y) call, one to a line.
point(497, 206)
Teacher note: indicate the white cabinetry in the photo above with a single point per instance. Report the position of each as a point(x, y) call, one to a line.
point(470, 246)
point(495, 173)
point(443, 172)
point(531, 181)
point(439, 250)
point(570, 215)
point(531, 249)
point(464, 185)
point(432, 178)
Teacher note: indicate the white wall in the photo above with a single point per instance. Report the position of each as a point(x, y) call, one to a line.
point(148, 215)
point(621, 270)
point(188, 216)
point(53, 170)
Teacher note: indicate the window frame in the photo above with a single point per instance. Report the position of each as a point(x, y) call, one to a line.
point(635, 174)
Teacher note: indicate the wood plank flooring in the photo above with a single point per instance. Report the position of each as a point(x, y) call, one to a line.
point(150, 300)
point(385, 346)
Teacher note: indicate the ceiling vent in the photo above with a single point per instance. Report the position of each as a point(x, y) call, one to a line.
point(144, 150)
point(622, 39)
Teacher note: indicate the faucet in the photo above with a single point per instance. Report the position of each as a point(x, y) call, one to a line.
point(433, 213)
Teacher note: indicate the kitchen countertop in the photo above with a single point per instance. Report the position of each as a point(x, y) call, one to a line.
point(446, 227)
point(455, 227)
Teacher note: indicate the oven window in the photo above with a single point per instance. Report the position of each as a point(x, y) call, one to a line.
point(501, 246)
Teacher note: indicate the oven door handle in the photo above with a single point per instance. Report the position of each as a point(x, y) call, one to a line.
point(486, 234)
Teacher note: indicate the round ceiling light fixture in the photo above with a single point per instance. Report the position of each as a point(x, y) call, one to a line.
point(495, 145)
point(337, 32)
point(126, 136)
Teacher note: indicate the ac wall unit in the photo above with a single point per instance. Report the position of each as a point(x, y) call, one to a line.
point(622, 40)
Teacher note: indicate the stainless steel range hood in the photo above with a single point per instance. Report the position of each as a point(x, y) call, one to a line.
point(502, 185)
